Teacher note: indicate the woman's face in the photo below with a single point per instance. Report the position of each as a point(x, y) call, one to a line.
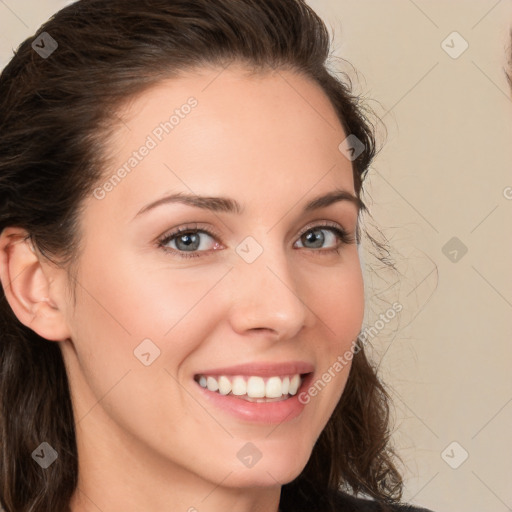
point(270, 288)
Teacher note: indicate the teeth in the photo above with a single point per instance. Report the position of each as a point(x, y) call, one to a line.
point(212, 384)
point(239, 387)
point(256, 387)
point(224, 385)
point(274, 388)
point(253, 386)
point(285, 385)
point(294, 384)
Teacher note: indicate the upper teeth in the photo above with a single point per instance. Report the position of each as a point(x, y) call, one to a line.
point(253, 386)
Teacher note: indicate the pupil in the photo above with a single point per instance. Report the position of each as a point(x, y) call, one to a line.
point(311, 237)
point(190, 241)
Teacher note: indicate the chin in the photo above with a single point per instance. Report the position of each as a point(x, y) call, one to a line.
point(277, 467)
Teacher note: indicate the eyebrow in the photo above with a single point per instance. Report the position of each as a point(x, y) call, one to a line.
point(228, 205)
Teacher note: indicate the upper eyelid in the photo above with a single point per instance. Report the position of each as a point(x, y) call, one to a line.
point(323, 224)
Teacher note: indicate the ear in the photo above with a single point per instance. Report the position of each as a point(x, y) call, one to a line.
point(32, 286)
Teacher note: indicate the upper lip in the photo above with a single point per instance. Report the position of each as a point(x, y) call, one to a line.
point(262, 369)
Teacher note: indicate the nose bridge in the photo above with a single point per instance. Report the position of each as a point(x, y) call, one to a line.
point(265, 294)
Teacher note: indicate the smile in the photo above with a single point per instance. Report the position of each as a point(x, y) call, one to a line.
point(252, 388)
point(265, 392)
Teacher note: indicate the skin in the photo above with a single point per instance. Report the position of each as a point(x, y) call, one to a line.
point(146, 437)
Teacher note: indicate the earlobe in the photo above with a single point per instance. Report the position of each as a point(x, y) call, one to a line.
point(27, 286)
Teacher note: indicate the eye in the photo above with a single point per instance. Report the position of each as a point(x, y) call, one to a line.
point(318, 236)
point(191, 242)
point(188, 240)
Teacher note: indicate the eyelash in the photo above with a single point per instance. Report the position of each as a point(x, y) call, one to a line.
point(345, 238)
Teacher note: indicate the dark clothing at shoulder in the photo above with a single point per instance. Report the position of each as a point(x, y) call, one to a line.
point(302, 498)
point(346, 503)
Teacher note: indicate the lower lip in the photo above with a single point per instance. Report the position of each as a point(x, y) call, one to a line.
point(258, 412)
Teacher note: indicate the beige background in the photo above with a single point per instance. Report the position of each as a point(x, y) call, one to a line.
point(443, 173)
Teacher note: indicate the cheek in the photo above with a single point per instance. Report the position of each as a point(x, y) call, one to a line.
point(120, 317)
point(134, 330)
point(343, 304)
point(131, 301)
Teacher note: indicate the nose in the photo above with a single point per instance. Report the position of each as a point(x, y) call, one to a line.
point(266, 296)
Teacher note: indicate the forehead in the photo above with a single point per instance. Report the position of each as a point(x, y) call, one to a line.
point(219, 130)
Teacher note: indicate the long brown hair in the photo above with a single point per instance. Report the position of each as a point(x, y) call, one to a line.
point(55, 112)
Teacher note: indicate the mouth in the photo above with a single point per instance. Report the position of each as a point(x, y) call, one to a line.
point(265, 393)
point(253, 388)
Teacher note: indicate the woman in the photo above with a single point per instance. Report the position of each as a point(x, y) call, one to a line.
point(180, 187)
